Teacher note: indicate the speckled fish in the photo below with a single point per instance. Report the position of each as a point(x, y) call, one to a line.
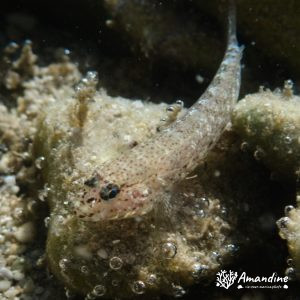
point(130, 185)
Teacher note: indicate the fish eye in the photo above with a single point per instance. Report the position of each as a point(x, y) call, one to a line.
point(109, 191)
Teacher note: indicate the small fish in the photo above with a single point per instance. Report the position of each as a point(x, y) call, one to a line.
point(130, 185)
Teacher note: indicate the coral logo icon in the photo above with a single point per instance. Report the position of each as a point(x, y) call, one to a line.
point(226, 279)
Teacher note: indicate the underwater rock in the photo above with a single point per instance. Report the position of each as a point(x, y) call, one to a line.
point(289, 229)
point(162, 31)
point(184, 240)
point(269, 124)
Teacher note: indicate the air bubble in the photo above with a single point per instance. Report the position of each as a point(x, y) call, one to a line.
point(287, 140)
point(60, 219)
point(178, 291)
point(116, 263)
point(43, 194)
point(152, 279)
point(84, 270)
point(232, 248)
point(216, 255)
point(115, 282)
point(289, 262)
point(259, 154)
point(288, 88)
point(138, 287)
point(90, 296)
point(40, 162)
point(283, 222)
point(69, 294)
point(288, 208)
point(291, 273)
point(63, 264)
point(92, 75)
point(200, 213)
point(47, 221)
point(99, 290)
point(205, 201)
point(244, 146)
point(180, 103)
point(198, 270)
point(169, 250)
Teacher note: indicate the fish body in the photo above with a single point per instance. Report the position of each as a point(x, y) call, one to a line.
point(130, 185)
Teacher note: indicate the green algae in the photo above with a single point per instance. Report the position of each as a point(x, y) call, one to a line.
point(269, 124)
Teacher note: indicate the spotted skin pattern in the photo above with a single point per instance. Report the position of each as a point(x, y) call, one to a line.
point(130, 185)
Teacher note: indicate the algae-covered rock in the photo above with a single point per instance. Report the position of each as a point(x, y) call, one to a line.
point(269, 124)
point(186, 239)
point(289, 230)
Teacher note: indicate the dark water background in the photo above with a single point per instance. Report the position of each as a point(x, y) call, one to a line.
point(125, 70)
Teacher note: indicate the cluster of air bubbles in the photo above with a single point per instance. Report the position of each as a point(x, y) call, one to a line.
point(89, 81)
point(288, 209)
point(232, 249)
point(178, 291)
point(115, 263)
point(168, 250)
point(91, 76)
point(282, 223)
point(40, 162)
point(172, 113)
point(138, 287)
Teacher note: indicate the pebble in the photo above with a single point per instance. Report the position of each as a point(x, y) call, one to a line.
point(4, 285)
point(25, 233)
point(6, 273)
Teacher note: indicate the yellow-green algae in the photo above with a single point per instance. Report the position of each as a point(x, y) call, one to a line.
point(269, 125)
